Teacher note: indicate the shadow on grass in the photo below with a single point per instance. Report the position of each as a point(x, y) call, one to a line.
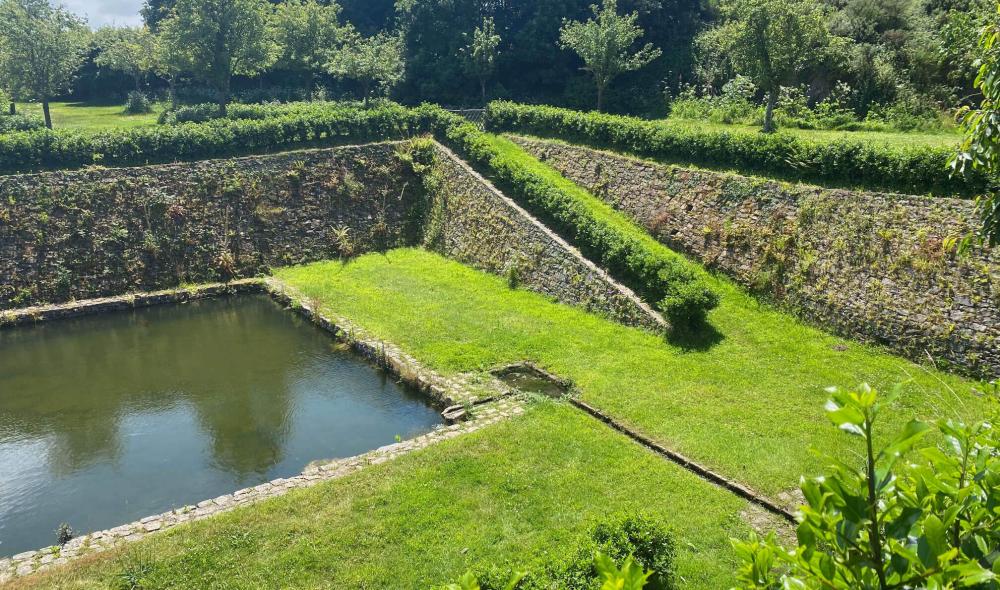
point(698, 337)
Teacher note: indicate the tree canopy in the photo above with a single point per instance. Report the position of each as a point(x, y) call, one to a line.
point(306, 31)
point(480, 55)
point(41, 48)
point(770, 41)
point(605, 44)
point(216, 39)
point(126, 49)
point(374, 63)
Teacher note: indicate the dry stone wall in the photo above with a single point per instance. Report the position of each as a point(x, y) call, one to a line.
point(471, 221)
point(101, 232)
point(874, 266)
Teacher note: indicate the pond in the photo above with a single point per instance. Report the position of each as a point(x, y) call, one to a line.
point(107, 419)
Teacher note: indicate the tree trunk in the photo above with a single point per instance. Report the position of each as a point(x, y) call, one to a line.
point(172, 89)
point(45, 111)
point(600, 97)
point(772, 99)
point(138, 83)
point(366, 88)
point(223, 97)
point(482, 88)
point(13, 107)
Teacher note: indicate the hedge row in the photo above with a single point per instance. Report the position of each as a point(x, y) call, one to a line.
point(852, 163)
point(54, 149)
point(20, 122)
point(200, 113)
point(629, 254)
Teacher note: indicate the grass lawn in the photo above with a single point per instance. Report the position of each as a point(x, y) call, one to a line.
point(91, 117)
point(945, 137)
point(749, 405)
point(516, 492)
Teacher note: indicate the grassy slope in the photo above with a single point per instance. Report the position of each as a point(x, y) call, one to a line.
point(751, 405)
point(945, 137)
point(89, 117)
point(512, 492)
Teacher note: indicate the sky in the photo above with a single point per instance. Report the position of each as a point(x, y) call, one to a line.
point(107, 12)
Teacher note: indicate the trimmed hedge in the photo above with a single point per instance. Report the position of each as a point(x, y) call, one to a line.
point(200, 113)
point(627, 252)
point(908, 169)
point(322, 125)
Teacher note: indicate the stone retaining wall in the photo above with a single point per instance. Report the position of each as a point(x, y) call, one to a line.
point(471, 221)
point(873, 266)
point(105, 232)
point(101, 232)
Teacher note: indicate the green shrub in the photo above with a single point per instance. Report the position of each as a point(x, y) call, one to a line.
point(880, 523)
point(635, 548)
point(911, 169)
point(138, 103)
point(626, 251)
point(19, 122)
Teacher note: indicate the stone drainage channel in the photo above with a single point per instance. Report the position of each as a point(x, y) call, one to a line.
point(492, 400)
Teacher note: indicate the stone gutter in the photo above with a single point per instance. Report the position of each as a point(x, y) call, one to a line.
point(463, 389)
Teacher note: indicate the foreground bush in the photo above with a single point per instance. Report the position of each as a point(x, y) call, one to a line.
point(628, 253)
point(888, 525)
point(907, 169)
point(636, 552)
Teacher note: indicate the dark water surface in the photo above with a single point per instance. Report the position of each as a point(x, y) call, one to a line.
point(108, 419)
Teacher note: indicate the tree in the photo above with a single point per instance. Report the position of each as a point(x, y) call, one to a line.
point(305, 30)
point(126, 49)
point(480, 55)
point(169, 64)
point(373, 62)
point(771, 42)
point(604, 43)
point(217, 39)
point(981, 147)
point(42, 46)
point(156, 11)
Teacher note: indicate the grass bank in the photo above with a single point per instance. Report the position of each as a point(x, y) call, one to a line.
point(746, 401)
point(91, 117)
point(949, 138)
point(518, 492)
point(746, 398)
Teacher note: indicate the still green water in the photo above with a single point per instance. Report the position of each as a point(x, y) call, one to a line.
point(107, 419)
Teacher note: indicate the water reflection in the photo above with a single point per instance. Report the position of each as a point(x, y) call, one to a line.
point(111, 418)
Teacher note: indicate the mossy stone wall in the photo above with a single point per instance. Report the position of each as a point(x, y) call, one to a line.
point(875, 266)
point(470, 221)
point(100, 232)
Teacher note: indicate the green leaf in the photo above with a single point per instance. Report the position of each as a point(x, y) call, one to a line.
point(911, 434)
point(934, 533)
